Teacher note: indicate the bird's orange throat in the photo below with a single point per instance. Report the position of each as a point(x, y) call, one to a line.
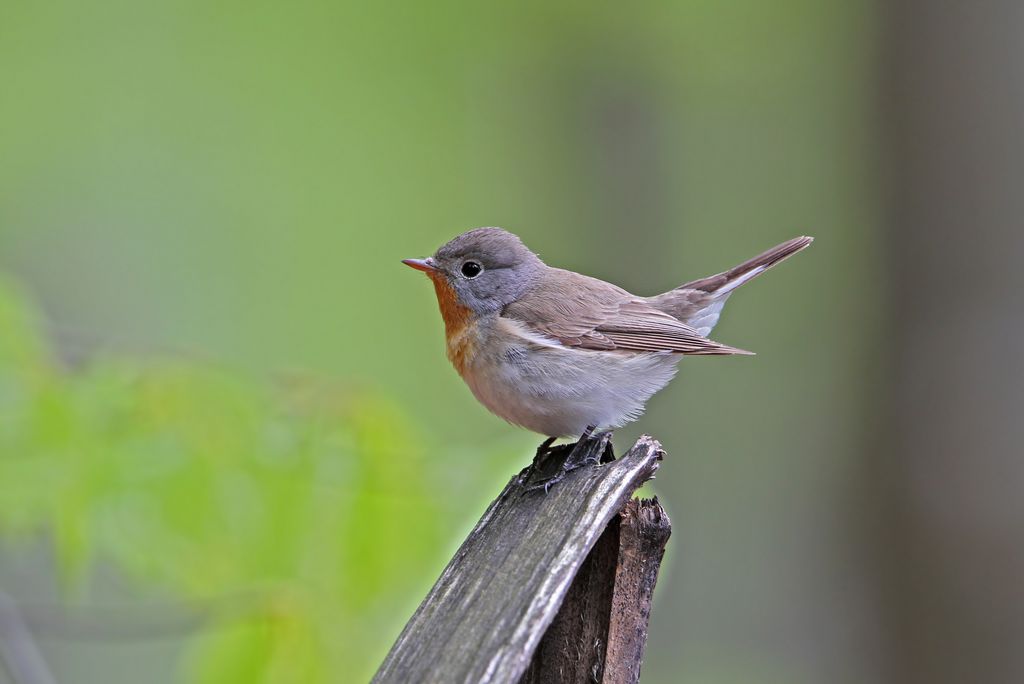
point(457, 323)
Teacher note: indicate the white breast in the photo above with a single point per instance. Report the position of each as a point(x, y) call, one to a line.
point(561, 391)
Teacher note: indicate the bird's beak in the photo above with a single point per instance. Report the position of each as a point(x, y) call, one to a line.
point(426, 265)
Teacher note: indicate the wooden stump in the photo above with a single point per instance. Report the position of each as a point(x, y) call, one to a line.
point(551, 585)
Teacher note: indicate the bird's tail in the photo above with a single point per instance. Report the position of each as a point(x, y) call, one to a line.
point(727, 281)
point(699, 302)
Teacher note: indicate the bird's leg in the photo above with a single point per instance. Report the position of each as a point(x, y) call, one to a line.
point(552, 464)
point(543, 450)
point(591, 449)
point(546, 463)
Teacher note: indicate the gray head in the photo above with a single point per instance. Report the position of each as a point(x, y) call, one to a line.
point(487, 268)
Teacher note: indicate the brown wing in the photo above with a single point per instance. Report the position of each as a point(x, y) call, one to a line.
point(588, 313)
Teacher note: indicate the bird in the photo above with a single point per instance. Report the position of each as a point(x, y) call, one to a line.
point(564, 354)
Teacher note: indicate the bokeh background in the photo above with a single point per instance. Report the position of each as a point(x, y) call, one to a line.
point(231, 449)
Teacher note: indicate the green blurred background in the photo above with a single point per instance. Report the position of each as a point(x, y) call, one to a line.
point(232, 450)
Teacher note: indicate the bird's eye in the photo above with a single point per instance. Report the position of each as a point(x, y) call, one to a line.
point(472, 269)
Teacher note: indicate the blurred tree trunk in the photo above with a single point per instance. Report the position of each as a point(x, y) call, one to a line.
point(953, 520)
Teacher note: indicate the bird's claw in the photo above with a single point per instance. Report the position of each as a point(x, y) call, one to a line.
point(590, 449)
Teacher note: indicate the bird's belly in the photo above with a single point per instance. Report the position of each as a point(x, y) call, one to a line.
point(560, 392)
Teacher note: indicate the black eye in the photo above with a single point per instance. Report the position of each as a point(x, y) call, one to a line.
point(471, 269)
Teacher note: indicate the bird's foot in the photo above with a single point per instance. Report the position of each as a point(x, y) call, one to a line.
point(543, 450)
point(546, 468)
point(592, 448)
point(552, 464)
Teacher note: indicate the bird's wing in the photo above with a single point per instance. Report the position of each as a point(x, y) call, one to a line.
point(578, 311)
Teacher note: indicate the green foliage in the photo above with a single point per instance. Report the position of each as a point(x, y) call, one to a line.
point(312, 511)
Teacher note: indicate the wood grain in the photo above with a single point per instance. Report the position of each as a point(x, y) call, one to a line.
point(486, 615)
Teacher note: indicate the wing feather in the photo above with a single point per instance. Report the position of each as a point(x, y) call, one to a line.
point(587, 313)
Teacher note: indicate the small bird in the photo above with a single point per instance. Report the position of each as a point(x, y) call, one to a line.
point(561, 353)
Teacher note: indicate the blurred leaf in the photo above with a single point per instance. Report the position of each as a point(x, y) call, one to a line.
point(22, 351)
point(317, 503)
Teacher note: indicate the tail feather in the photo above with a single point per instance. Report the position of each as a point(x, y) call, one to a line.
point(699, 303)
point(728, 281)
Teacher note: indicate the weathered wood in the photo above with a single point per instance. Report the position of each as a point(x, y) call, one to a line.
point(573, 647)
point(644, 529)
point(600, 631)
point(486, 614)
